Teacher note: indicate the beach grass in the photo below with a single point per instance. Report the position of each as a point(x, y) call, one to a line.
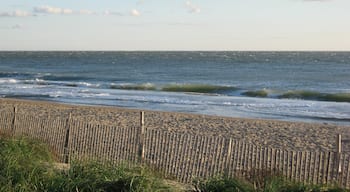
point(270, 184)
point(29, 165)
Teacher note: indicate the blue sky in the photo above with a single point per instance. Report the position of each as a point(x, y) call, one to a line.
point(175, 25)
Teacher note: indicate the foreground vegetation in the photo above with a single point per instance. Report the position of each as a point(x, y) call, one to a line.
point(28, 165)
point(270, 184)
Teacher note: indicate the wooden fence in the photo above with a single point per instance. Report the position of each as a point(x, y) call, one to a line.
point(182, 156)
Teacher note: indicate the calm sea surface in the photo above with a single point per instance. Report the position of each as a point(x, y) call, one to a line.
point(292, 86)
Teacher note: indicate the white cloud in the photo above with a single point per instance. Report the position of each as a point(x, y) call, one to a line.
point(134, 12)
point(108, 12)
point(52, 10)
point(17, 13)
point(192, 8)
point(67, 11)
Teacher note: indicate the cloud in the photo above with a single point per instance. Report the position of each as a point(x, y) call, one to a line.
point(52, 10)
point(61, 11)
point(135, 13)
point(192, 8)
point(108, 12)
point(17, 13)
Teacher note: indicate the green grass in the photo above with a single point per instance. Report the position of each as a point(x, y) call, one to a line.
point(94, 176)
point(270, 184)
point(21, 164)
point(28, 165)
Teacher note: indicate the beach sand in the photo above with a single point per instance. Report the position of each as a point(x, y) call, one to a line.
point(270, 133)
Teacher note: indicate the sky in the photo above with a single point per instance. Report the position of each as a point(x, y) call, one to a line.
point(231, 25)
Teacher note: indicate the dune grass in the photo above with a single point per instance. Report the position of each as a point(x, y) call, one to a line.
point(269, 184)
point(28, 165)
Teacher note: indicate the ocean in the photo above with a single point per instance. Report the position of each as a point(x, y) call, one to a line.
point(290, 86)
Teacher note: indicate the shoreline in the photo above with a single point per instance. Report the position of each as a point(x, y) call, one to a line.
point(266, 133)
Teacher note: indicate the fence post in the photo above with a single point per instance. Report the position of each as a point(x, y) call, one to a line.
point(141, 139)
point(66, 142)
point(14, 120)
point(228, 158)
point(339, 150)
point(337, 165)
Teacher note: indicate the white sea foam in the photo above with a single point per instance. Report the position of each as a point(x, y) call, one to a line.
point(8, 80)
point(89, 84)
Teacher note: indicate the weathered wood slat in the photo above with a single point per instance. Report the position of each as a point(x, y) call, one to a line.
point(178, 153)
point(185, 157)
point(158, 156)
point(307, 167)
point(188, 157)
point(347, 180)
point(164, 152)
point(264, 167)
point(174, 155)
point(222, 158)
point(116, 140)
point(171, 143)
point(203, 155)
point(245, 159)
point(234, 159)
point(343, 176)
point(210, 158)
point(136, 139)
point(297, 166)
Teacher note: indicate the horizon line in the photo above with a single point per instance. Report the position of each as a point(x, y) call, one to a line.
point(90, 50)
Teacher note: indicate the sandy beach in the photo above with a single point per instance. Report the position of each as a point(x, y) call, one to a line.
point(271, 133)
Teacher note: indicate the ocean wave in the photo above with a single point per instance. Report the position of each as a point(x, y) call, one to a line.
point(36, 81)
point(81, 84)
point(299, 94)
point(8, 80)
point(33, 96)
point(313, 95)
point(64, 78)
point(258, 93)
point(338, 97)
point(143, 86)
point(198, 88)
point(186, 88)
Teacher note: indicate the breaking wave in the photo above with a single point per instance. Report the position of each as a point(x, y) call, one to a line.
point(144, 86)
point(188, 88)
point(299, 94)
point(198, 88)
point(313, 95)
